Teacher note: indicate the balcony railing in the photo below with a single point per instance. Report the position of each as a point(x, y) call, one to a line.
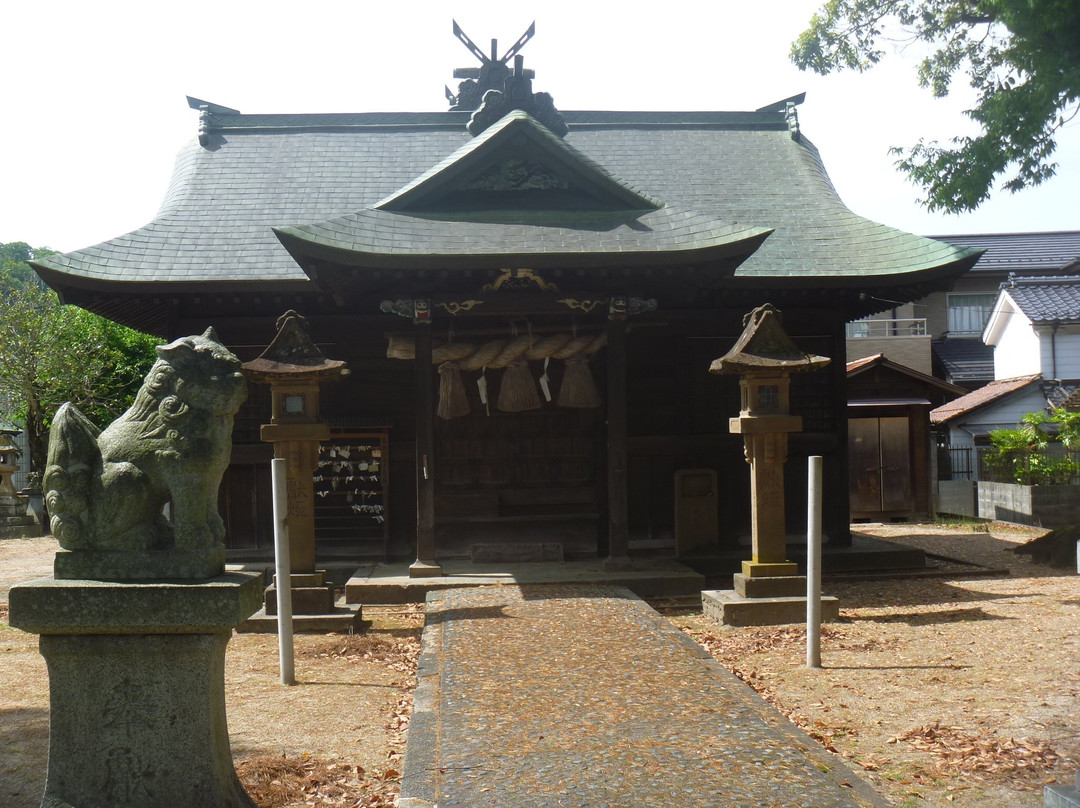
point(895, 327)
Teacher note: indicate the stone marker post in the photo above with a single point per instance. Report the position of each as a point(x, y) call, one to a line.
point(135, 620)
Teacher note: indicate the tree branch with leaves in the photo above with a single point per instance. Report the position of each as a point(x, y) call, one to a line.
point(1022, 58)
point(51, 353)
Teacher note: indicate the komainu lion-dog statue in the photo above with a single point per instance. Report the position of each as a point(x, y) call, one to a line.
point(107, 490)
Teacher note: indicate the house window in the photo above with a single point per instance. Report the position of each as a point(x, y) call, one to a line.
point(968, 314)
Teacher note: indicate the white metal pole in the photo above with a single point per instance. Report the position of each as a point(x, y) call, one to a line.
point(283, 572)
point(813, 563)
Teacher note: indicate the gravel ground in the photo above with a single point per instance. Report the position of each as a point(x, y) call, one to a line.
point(953, 690)
point(947, 691)
point(349, 709)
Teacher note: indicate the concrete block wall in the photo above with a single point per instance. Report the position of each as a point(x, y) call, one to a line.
point(957, 498)
point(1048, 506)
point(912, 352)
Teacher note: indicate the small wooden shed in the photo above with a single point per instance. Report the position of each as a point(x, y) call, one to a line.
point(890, 446)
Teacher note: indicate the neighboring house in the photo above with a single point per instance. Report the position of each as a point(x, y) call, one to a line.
point(1033, 330)
point(1034, 327)
point(940, 333)
point(967, 421)
point(890, 447)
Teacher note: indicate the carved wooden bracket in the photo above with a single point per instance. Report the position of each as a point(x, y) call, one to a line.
point(519, 279)
point(418, 310)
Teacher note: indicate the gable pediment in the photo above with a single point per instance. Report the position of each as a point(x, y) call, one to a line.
point(517, 164)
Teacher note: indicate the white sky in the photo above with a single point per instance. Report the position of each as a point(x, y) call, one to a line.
point(93, 93)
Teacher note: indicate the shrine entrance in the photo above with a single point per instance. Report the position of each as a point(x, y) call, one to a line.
point(519, 478)
point(519, 449)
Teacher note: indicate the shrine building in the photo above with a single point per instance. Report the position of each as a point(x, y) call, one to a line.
point(528, 300)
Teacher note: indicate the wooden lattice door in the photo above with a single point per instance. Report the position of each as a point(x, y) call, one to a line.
point(880, 466)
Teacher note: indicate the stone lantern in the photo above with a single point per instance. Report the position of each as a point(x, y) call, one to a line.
point(11, 504)
point(764, 357)
point(15, 522)
point(294, 368)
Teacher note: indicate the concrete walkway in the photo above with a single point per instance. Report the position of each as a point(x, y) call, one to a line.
point(583, 696)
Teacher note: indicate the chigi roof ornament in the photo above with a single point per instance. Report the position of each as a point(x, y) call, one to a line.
point(494, 89)
point(491, 75)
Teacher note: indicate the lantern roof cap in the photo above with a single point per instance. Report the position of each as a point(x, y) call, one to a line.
point(293, 354)
point(764, 345)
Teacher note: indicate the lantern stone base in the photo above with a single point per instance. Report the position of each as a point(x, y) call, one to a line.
point(769, 569)
point(310, 594)
point(137, 688)
point(345, 618)
point(729, 608)
point(771, 587)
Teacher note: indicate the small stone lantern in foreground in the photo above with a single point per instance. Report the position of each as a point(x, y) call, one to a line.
point(294, 367)
point(11, 504)
point(14, 521)
point(764, 357)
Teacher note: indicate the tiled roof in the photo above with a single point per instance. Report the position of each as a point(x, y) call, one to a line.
point(1046, 300)
point(857, 366)
point(1023, 253)
point(964, 360)
point(257, 172)
point(1062, 393)
point(516, 131)
point(441, 216)
point(980, 398)
point(386, 238)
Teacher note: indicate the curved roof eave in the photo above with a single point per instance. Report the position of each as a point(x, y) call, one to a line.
point(215, 225)
point(303, 246)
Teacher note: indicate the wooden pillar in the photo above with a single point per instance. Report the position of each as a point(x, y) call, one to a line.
point(618, 534)
point(837, 520)
point(425, 565)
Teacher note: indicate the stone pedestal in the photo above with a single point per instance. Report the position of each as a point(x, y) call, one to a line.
point(731, 609)
point(137, 688)
point(1062, 796)
point(310, 594)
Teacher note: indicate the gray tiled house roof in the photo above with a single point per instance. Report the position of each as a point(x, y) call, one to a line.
point(249, 174)
point(965, 360)
point(1046, 300)
point(1022, 253)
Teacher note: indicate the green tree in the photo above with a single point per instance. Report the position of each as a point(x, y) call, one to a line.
point(1022, 58)
point(52, 353)
point(1021, 454)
